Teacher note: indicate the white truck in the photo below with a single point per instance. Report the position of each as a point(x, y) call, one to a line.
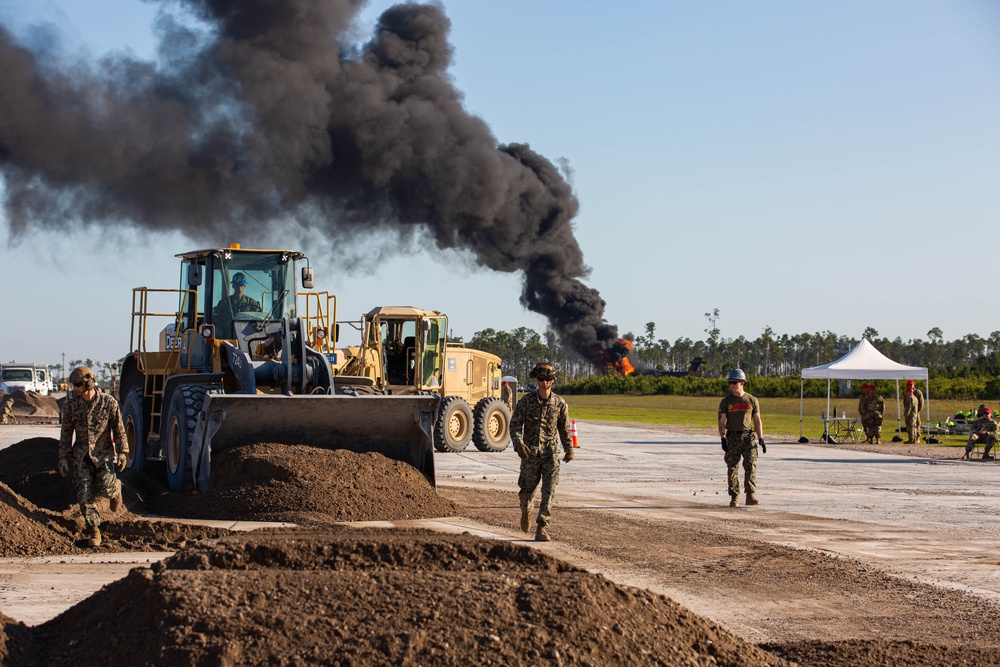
point(28, 377)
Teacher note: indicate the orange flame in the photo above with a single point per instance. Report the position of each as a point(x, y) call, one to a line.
point(617, 357)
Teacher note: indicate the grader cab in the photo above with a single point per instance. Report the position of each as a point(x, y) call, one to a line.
point(405, 351)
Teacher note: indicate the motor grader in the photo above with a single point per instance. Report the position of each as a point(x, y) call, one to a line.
point(404, 351)
point(235, 365)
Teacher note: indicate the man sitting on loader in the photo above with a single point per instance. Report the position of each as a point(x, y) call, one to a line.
point(237, 302)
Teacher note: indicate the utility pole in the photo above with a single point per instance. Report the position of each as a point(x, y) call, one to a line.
point(64, 367)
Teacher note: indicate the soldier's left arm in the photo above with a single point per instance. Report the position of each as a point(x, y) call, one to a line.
point(562, 424)
point(118, 428)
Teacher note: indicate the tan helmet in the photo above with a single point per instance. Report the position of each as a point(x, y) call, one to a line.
point(82, 374)
point(543, 371)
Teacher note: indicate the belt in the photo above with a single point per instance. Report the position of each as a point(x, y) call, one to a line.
point(749, 430)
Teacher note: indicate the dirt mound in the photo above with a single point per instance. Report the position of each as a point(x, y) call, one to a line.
point(28, 403)
point(258, 482)
point(306, 485)
point(374, 597)
point(897, 654)
point(24, 531)
point(29, 469)
point(39, 516)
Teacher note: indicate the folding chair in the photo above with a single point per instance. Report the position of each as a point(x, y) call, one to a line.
point(854, 430)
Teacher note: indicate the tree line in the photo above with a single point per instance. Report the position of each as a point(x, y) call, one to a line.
point(769, 354)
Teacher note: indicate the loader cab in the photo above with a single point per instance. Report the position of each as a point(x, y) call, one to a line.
point(239, 291)
point(411, 345)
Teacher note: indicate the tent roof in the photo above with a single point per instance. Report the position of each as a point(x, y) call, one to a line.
point(865, 362)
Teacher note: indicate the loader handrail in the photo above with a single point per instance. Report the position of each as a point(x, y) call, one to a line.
point(140, 326)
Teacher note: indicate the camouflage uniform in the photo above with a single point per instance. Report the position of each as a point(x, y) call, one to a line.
point(92, 457)
point(540, 425)
point(988, 428)
point(222, 314)
point(871, 407)
point(8, 416)
point(742, 441)
point(911, 415)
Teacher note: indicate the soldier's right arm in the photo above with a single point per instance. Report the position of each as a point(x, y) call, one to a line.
point(517, 422)
point(66, 430)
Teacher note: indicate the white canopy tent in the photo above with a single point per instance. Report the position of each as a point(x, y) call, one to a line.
point(864, 362)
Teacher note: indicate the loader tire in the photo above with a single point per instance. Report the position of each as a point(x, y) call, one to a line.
point(453, 429)
point(135, 429)
point(178, 430)
point(491, 425)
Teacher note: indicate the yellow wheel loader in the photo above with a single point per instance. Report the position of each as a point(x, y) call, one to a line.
point(405, 351)
point(236, 364)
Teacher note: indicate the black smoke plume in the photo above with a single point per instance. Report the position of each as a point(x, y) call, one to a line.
point(272, 114)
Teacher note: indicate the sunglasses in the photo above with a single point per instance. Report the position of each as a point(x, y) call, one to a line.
point(736, 382)
point(79, 384)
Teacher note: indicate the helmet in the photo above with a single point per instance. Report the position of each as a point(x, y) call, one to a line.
point(239, 279)
point(84, 375)
point(543, 371)
point(737, 374)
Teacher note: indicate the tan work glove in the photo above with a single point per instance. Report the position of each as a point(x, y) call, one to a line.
point(522, 451)
point(63, 466)
point(121, 461)
point(569, 455)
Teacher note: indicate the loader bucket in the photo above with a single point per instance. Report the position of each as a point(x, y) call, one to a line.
point(398, 427)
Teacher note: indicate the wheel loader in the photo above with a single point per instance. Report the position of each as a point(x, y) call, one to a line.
point(236, 364)
point(404, 351)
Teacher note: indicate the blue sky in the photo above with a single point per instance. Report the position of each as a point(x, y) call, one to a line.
point(806, 166)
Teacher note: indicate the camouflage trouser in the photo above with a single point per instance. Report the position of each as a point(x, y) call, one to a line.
point(542, 468)
point(872, 424)
point(913, 429)
point(742, 444)
point(91, 481)
point(988, 441)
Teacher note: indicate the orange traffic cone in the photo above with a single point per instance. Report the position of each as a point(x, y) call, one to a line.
point(572, 433)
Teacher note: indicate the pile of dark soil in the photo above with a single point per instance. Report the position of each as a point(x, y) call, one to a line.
point(39, 516)
point(305, 485)
point(258, 482)
point(28, 403)
point(373, 597)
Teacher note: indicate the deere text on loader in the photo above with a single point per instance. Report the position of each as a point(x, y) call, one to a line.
point(235, 365)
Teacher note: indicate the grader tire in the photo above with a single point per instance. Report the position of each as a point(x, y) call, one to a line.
point(453, 430)
point(491, 430)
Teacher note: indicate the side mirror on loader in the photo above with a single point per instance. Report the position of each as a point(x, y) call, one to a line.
point(307, 277)
point(195, 274)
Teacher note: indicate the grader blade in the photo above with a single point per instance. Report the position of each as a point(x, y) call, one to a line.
point(398, 427)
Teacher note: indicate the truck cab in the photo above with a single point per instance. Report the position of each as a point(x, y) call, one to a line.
point(26, 377)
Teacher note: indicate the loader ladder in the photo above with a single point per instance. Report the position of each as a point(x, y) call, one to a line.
point(157, 366)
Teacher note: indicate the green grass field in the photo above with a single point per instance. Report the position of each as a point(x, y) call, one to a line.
point(780, 415)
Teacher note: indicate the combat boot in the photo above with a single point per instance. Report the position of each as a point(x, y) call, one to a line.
point(116, 500)
point(525, 520)
point(541, 535)
point(752, 499)
point(94, 537)
point(734, 500)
